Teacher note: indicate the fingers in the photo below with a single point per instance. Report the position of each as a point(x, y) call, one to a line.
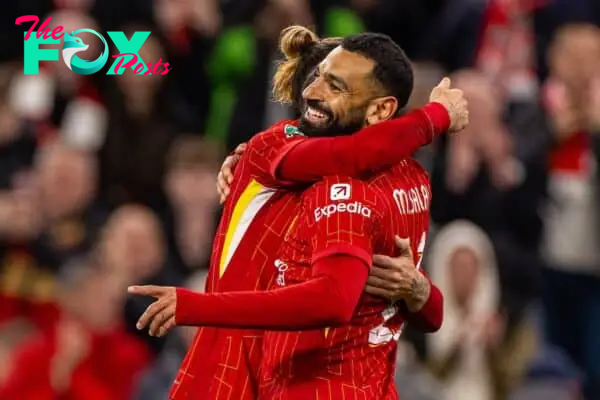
point(240, 149)
point(221, 187)
point(170, 324)
point(376, 291)
point(225, 176)
point(151, 312)
point(445, 83)
point(384, 273)
point(227, 168)
point(160, 320)
point(379, 282)
point(147, 290)
point(382, 261)
point(403, 245)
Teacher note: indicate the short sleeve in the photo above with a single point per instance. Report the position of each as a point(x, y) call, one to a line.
point(345, 218)
point(268, 147)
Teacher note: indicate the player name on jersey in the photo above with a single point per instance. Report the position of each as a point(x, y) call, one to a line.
point(413, 200)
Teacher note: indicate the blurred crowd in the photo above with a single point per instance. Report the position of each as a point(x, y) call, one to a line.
point(108, 180)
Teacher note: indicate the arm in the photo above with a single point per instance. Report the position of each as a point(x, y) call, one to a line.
point(419, 301)
point(327, 300)
point(341, 251)
point(374, 147)
point(428, 318)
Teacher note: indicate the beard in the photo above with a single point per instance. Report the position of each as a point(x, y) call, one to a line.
point(332, 126)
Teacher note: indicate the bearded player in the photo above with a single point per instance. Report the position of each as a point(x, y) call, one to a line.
point(301, 324)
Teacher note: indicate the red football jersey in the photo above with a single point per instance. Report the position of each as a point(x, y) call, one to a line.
point(223, 363)
point(347, 216)
point(255, 218)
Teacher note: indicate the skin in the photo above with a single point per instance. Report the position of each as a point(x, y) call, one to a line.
point(344, 90)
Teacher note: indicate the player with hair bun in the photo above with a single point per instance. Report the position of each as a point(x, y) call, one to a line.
point(261, 210)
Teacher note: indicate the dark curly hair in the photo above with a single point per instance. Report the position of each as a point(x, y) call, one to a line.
point(393, 70)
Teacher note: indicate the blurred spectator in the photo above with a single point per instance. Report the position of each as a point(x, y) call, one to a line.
point(192, 164)
point(133, 156)
point(493, 165)
point(17, 139)
point(66, 180)
point(571, 281)
point(505, 51)
point(441, 31)
point(53, 217)
point(133, 247)
point(88, 355)
point(552, 16)
point(473, 355)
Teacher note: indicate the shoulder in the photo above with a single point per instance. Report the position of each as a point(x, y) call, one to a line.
point(277, 134)
point(407, 173)
point(342, 193)
point(407, 186)
point(410, 166)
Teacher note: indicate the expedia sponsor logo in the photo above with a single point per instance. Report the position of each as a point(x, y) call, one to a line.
point(340, 191)
point(351, 208)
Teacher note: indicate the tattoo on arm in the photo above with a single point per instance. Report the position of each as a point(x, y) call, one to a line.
point(420, 293)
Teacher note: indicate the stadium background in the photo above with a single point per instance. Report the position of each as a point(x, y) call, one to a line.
point(116, 174)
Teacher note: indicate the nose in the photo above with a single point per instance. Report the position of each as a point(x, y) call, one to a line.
point(314, 91)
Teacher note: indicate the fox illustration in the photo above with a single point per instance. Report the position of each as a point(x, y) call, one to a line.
point(72, 45)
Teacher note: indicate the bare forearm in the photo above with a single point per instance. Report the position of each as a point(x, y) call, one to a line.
point(421, 289)
point(425, 311)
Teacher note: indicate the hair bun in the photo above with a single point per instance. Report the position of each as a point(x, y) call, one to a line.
point(295, 40)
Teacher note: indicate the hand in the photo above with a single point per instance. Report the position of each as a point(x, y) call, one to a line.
point(206, 16)
point(593, 106)
point(160, 314)
point(225, 177)
point(493, 330)
point(455, 103)
point(504, 169)
point(462, 163)
point(73, 342)
point(564, 113)
point(398, 278)
point(73, 345)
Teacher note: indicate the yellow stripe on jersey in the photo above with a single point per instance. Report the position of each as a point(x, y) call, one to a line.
point(253, 198)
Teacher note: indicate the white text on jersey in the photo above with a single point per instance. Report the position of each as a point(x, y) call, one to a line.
point(412, 201)
point(352, 208)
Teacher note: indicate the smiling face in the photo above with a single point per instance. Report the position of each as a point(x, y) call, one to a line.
point(342, 96)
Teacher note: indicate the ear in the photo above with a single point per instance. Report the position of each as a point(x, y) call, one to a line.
point(381, 109)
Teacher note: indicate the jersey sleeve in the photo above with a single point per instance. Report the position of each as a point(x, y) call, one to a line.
point(267, 147)
point(372, 148)
point(344, 218)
